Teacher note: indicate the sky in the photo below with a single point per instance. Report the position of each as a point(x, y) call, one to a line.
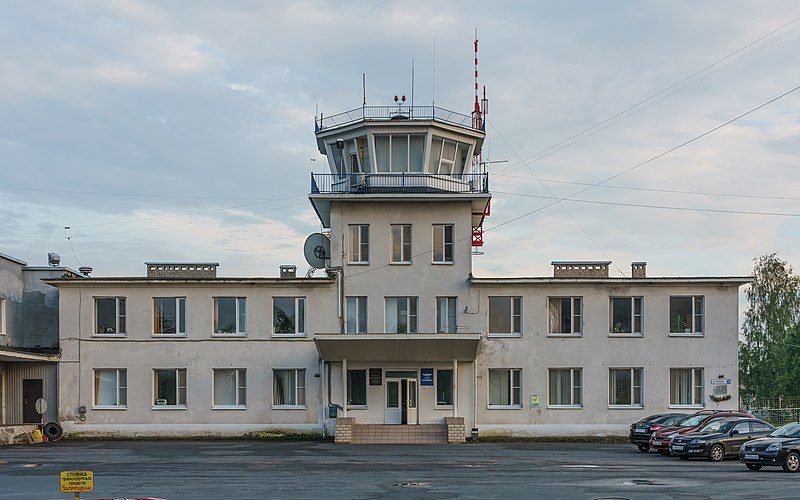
point(184, 131)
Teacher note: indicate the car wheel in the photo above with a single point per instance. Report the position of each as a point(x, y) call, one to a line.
point(753, 466)
point(792, 462)
point(664, 452)
point(644, 448)
point(716, 453)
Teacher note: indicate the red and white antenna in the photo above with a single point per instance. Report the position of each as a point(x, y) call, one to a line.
point(477, 119)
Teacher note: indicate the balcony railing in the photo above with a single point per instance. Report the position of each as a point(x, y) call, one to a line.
point(367, 113)
point(400, 182)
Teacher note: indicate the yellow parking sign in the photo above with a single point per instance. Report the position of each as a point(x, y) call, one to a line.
point(76, 481)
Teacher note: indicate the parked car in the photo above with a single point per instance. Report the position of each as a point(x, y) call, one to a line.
point(781, 447)
point(661, 439)
point(719, 438)
point(641, 431)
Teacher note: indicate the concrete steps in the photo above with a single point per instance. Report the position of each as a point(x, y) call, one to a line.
point(399, 434)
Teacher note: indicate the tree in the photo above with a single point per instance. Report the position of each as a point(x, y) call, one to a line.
point(768, 356)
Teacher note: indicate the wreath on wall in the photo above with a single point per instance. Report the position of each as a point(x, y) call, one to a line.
point(720, 399)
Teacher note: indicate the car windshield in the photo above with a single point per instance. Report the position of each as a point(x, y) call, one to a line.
point(692, 421)
point(672, 419)
point(788, 430)
point(717, 426)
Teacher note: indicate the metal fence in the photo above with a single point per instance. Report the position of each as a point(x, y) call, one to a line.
point(395, 113)
point(400, 182)
point(777, 411)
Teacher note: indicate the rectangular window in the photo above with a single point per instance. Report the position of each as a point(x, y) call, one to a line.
point(566, 387)
point(505, 388)
point(359, 244)
point(446, 308)
point(401, 243)
point(169, 387)
point(356, 387)
point(111, 388)
point(109, 315)
point(443, 235)
point(229, 315)
point(289, 315)
point(505, 315)
point(686, 386)
point(2, 316)
point(230, 388)
point(356, 315)
point(401, 315)
point(625, 387)
point(686, 315)
point(564, 315)
point(289, 388)
point(626, 315)
point(444, 387)
point(169, 316)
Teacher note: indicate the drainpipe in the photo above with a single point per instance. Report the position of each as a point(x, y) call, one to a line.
point(455, 387)
point(475, 393)
point(339, 294)
point(344, 387)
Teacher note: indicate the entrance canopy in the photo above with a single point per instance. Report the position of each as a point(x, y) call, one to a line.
point(398, 346)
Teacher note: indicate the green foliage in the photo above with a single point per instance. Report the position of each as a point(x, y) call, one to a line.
point(769, 354)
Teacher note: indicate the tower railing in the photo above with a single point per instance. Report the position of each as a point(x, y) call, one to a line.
point(399, 182)
point(366, 113)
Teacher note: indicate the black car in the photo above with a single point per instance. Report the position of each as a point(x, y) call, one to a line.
point(781, 447)
point(719, 438)
point(640, 431)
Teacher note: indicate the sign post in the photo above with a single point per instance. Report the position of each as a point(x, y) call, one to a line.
point(76, 481)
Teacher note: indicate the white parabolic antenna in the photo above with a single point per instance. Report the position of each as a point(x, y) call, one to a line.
point(317, 250)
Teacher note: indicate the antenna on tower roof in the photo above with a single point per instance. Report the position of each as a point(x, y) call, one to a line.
point(477, 115)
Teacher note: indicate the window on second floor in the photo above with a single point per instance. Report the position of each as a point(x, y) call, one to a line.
point(359, 243)
point(169, 316)
point(686, 315)
point(401, 315)
point(289, 315)
point(626, 315)
point(356, 315)
point(401, 243)
point(230, 315)
point(505, 315)
point(443, 237)
point(109, 316)
point(564, 314)
point(446, 308)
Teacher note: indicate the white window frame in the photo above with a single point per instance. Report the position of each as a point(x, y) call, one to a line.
point(576, 385)
point(612, 325)
point(120, 386)
point(402, 232)
point(411, 317)
point(357, 314)
point(120, 317)
point(240, 317)
point(632, 387)
point(180, 328)
point(514, 391)
point(358, 246)
point(446, 314)
point(239, 389)
point(576, 317)
point(440, 254)
point(698, 390)
point(299, 310)
point(515, 320)
point(697, 316)
point(179, 405)
point(299, 376)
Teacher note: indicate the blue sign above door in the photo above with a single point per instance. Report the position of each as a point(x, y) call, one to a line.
point(426, 377)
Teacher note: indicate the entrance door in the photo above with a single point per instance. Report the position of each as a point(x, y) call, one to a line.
point(31, 392)
point(394, 408)
point(410, 393)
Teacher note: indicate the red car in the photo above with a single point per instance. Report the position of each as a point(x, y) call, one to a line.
point(661, 439)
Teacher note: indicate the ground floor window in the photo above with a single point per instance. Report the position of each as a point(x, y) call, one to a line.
point(566, 388)
point(444, 387)
point(169, 387)
point(686, 386)
point(356, 387)
point(289, 388)
point(505, 387)
point(625, 387)
point(110, 388)
point(230, 388)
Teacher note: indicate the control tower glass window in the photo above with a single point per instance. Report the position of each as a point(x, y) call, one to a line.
point(398, 153)
point(448, 157)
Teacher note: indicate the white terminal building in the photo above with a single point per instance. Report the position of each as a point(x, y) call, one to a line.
point(398, 339)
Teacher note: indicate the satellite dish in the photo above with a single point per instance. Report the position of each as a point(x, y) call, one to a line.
point(317, 250)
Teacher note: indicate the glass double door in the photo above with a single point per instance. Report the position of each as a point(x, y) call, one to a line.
point(401, 401)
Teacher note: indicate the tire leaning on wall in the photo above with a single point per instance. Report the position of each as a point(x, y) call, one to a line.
point(52, 431)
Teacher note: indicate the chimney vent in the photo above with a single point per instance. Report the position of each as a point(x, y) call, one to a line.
point(182, 270)
point(638, 269)
point(288, 271)
point(85, 270)
point(581, 269)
